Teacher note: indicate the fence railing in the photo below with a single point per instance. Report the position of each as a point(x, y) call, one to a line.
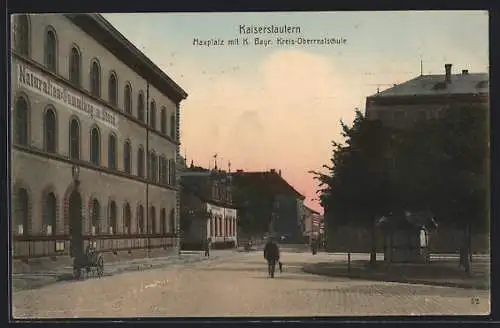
point(26, 247)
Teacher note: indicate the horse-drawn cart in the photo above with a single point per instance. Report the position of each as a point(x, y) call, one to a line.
point(90, 262)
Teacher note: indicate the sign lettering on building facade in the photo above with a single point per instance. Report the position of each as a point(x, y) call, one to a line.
point(64, 96)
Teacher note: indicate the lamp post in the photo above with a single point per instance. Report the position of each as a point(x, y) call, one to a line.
point(75, 174)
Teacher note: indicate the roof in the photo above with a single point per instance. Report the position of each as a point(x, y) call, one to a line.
point(270, 180)
point(430, 85)
point(109, 37)
point(192, 186)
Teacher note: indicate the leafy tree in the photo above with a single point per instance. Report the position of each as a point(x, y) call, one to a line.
point(356, 190)
point(443, 165)
point(440, 165)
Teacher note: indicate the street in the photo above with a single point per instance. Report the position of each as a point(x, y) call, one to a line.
point(238, 286)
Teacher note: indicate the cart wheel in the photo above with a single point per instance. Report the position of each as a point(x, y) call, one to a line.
point(100, 266)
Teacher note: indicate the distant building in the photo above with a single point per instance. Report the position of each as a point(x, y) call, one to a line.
point(268, 199)
point(312, 224)
point(426, 96)
point(207, 208)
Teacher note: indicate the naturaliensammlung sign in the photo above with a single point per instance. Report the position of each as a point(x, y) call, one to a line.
point(77, 102)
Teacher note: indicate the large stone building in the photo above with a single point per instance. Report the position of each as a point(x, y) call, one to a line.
point(207, 208)
point(426, 96)
point(95, 138)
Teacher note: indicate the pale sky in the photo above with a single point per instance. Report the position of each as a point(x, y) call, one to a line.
point(280, 106)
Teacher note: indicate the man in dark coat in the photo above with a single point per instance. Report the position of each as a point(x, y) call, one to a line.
point(272, 255)
point(207, 245)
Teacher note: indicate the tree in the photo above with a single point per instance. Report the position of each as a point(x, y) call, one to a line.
point(438, 165)
point(442, 166)
point(356, 190)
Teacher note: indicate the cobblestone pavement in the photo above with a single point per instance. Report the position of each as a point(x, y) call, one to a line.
point(239, 286)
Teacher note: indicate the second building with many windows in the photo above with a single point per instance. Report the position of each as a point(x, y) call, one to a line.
point(95, 134)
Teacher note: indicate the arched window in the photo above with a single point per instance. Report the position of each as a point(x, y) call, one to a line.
point(50, 131)
point(112, 217)
point(216, 226)
point(74, 66)
point(140, 220)
point(95, 146)
point(49, 214)
point(20, 213)
point(172, 126)
point(127, 156)
point(221, 228)
point(163, 123)
point(95, 79)
point(74, 139)
point(51, 50)
point(163, 221)
point(21, 121)
point(171, 172)
point(155, 168)
point(22, 35)
point(172, 221)
point(140, 107)
point(152, 166)
point(152, 220)
point(163, 167)
point(113, 90)
point(112, 152)
point(95, 216)
point(152, 115)
point(127, 99)
point(140, 162)
point(127, 219)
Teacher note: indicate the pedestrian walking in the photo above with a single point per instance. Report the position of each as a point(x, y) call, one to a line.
point(272, 255)
point(208, 245)
point(314, 246)
point(464, 260)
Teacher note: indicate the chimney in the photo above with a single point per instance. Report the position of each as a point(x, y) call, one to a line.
point(273, 171)
point(465, 71)
point(447, 68)
point(279, 172)
point(239, 171)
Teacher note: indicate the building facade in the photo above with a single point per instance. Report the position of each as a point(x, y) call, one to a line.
point(95, 140)
point(207, 208)
point(312, 224)
point(426, 96)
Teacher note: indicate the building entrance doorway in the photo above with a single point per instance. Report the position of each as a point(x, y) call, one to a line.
point(75, 224)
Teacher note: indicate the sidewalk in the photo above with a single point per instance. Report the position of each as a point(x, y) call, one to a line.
point(22, 281)
point(438, 272)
